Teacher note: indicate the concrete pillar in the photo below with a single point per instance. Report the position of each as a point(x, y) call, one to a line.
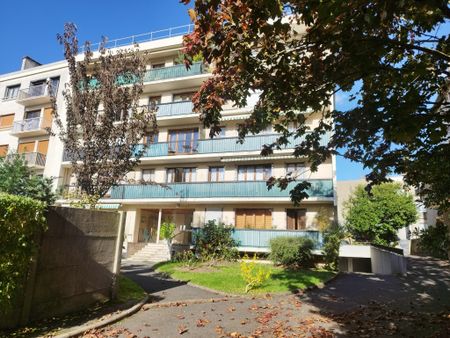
point(159, 224)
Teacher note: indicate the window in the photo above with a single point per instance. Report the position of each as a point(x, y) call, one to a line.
point(296, 219)
point(26, 147)
point(154, 100)
point(254, 172)
point(183, 141)
point(54, 83)
point(254, 218)
point(175, 175)
point(216, 174)
point(296, 170)
point(6, 121)
point(11, 92)
point(213, 214)
point(183, 96)
point(32, 114)
point(221, 132)
point(158, 65)
point(148, 175)
point(3, 150)
point(37, 88)
point(150, 138)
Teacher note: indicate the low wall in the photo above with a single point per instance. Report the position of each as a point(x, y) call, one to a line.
point(387, 262)
point(371, 258)
point(75, 263)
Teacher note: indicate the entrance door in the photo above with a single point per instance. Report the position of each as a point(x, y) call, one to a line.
point(148, 227)
point(296, 219)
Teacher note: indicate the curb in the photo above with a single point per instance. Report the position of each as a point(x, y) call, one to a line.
point(83, 328)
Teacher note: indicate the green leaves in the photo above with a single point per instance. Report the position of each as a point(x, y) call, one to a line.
point(376, 217)
point(17, 179)
point(391, 53)
point(21, 219)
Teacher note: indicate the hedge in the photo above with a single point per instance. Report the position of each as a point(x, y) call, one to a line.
point(292, 251)
point(21, 220)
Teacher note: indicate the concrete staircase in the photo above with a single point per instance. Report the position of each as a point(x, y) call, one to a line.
point(152, 252)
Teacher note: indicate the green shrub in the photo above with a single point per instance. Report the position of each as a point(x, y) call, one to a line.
point(434, 240)
point(167, 231)
point(214, 242)
point(21, 221)
point(331, 242)
point(292, 251)
point(253, 273)
point(16, 178)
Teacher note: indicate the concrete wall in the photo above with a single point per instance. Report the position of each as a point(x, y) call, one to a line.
point(74, 264)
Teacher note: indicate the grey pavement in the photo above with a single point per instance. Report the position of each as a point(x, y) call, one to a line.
point(160, 287)
point(352, 305)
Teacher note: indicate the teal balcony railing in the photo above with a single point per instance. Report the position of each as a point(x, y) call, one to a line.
point(250, 189)
point(217, 145)
point(174, 108)
point(223, 145)
point(173, 72)
point(260, 238)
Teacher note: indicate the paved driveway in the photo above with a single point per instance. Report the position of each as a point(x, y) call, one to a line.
point(353, 305)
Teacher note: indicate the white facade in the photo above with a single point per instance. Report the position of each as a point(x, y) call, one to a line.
point(210, 179)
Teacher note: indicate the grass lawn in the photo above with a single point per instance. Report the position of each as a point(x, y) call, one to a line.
point(226, 277)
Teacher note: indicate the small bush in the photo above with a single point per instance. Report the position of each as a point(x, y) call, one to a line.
point(214, 242)
point(167, 231)
point(187, 258)
point(21, 220)
point(253, 274)
point(332, 241)
point(434, 240)
point(292, 251)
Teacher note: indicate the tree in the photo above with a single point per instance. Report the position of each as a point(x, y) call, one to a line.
point(377, 217)
point(391, 56)
point(102, 143)
point(16, 178)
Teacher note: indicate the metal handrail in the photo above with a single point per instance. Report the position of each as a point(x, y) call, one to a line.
point(33, 91)
point(144, 37)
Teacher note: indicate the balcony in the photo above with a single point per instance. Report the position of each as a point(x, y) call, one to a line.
point(35, 160)
point(215, 146)
point(259, 239)
point(173, 72)
point(174, 109)
point(233, 189)
point(31, 127)
point(34, 95)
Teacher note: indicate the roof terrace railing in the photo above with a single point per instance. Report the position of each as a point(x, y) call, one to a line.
point(144, 37)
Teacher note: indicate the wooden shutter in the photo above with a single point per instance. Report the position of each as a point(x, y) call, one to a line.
point(42, 147)
point(240, 219)
point(254, 218)
point(47, 120)
point(6, 121)
point(3, 150)
point(296, 219)
point(26, 147)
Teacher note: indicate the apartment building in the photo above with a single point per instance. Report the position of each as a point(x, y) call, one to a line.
point(202, 179)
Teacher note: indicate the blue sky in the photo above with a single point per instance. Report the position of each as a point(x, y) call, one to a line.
point(30, 27)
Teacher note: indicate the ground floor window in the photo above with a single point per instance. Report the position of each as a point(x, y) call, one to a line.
point(296, 219)
point(254, 218)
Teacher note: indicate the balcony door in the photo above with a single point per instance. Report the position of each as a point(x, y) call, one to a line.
point(296, 219)
point(253, 218)
point(42, 147)
point(183, 141)
point(25, 147)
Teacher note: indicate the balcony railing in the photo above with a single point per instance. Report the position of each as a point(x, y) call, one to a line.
point(216, 145)
point(260, 238)
point(173, 72)
point(34, 91)
point(30, 125)
point(248, 189)
point(174, 108)
point(35, 159)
